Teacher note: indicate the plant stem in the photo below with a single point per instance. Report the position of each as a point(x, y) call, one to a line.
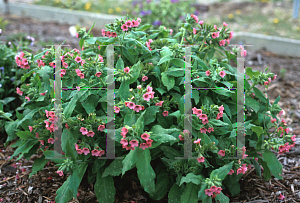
point(202, 44)
point(6, 116)
point(182, 37)
point(250, 88)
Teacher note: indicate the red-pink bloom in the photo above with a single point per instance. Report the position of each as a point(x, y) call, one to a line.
point(30, 128)
point(83, 130)
point(53, 119)
point(137, 108)
point(19, 92)
point(78, 59)
point(131, 105)
point(293, 138)
point(266, 83)
point(197, 141)
point(203, 130)
point(134, 143)
point(210, 129)
point(222, 43)
point(47, 123)
point(51, 140)
point(103, 32)
point(195, 18)
point(79, 151)
point(67, 126)
point(95, 152)
point(224, 24)
point(128, 23)
point(124, 142)
point(101, 127)
point(208, 192)
point(165, 113)
point(143, 146)
point(149, 142)
point(51, 113)
point(146, 96)
point(37, 135)
point(43, 94)
point(108, 34)
point(159, 103)
point(281, 197)
point(194, 31)
point(60, 173)
point(231, 172)
point(145, 136)
point(126, 70)
point(207, 73)
point(76, 146)
point(213, 188)
point(65, 65)
point(135, 23)
point(144, 78)
point(221, 152)
point(125, 130)
point(42, 142)
point(180, 137)
point(124, 27)
point(98, 74)
point(171, 31)
point(85, 151)
point(90, 134)
point(201, 22)
point(200, 159)
point(215, 35)
point(117, 109)
point(218, 190)
point(81, 75)
point(274, 77)
point(101, 152)
point(222, 74)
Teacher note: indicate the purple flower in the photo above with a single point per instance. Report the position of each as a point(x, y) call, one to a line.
point(156, 23)
point(149, 12)
point(12, 79)
point(143, 13)
point(2, 68)
point(174, 1)
point(196, 13)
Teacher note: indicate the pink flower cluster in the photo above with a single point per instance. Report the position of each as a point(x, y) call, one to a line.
point(201, 116)
point(149, 94)
point(148, 44)
point(108, 33)
point(135, 143)
point(266, 83)
point(129, 24)
point(84, 131)
point(131, 105)
point(195, 18)
point(286, 147)
point(79, 73)
point(220, 114)
point(22, 62)
point(53, 119)
point(86, 151)
point(213, 189)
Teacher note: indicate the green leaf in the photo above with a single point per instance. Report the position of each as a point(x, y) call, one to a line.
point(91, 40)
point(143, 27)
point(175, 194)
point(72, 104)
point(10, 128)
point(144, 170)
point(191, 178)
point(257, 129)
point(168, 81)
point(98, 163)
point(90, 103)
point(81, 42)
point(129, 161)
point(38, 165)
point(25, 135)
point(232, 183)
point(170, 152)
point(161, 91)
point(135, 72)
point(120, 64)
point(165, 51)
point(54, 154)
point(189, 194)
point(91, 28)
point(181, 104)
point(124, 92)
point(150, 114)
point(221, 172)
point(217, 122)
point(7, 100)
point(114, 169)
point(44, 73)
point(277, 100)
point(64, 193)
point(76, 177)
point(162, 138)
point(140, 124)
point(252, 73)
point(165, 59)
point(179, 62)
point(224, 92)
point(195, 96)
point(70, 151)
point(201, 193)
point(128, 55)
point(267, 172)
point(274, 165)
point(260, 95)
point(161, 186)
point(201, 63)
point(67, 135)
point(252, 103)
point(24, 148)
point(104, 189)
point(28, 117)
point(176, 72)
point(222, 198)
point(130, 119)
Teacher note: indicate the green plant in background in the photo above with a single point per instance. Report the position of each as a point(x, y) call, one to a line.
point(282, 72)
point(3, 24)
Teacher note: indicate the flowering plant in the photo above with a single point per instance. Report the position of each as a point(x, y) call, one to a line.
point(149, 114)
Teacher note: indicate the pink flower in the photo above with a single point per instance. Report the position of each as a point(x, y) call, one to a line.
point(135, 23)
point(281, 197)
point(78, 88)
point(218, 190)
point(125, 130)
point(200, 159)
point(266, 83)
point(126, 70)
point(79, 151)
point(117, 109)
point(186, 131)
point(145, 136)
point(43, 94)
point(293, 138)
point(81, 75)
point(171, 31)
point(47, 123)
point(195, 17)
point(108, 34)
point(95, 152)
point(19, 92)
point(180, 137)
point(207, 73)
point(83, 130)
point(221, 152)
point(222, 42)
point(101, 127)
point(143, 146)
point(134, 143)
point(60, 173)
point(203, 130)
point(273, 120)
point(222, 74)
point(194, 31)
point(208, 192)
point(90, 134)
point(204, 121)
point(85, 151)
point(139, 20)
point(124, 27)
point(231, 35)
point(215, 35)
point(201, 22)
point(210, 129)
point(197, 141)
point(231, 172)
point(76, 146)
point(137, 108)
point(215, 27)
point(124, 142)
point(53, 119)
point(100, 153)
point(128, 23)
point(274, 77)
point(144, 78)
point(139, 87)
point(62, 72)
point(146, 96)
point(165, 113)
point(51, 140)
point(98, 74)
point(131, 105)
point(65, 65)
point(30, 128)
point(213, 188)
point(224, 24)
point(78, 59)
point(202, 116)
point(159, 103)
point(221, 109)
point(103, 32)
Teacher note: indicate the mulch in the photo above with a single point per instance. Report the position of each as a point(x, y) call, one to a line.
point(41, 188)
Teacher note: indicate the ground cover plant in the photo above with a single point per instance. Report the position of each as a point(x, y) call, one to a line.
point(149, 113)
